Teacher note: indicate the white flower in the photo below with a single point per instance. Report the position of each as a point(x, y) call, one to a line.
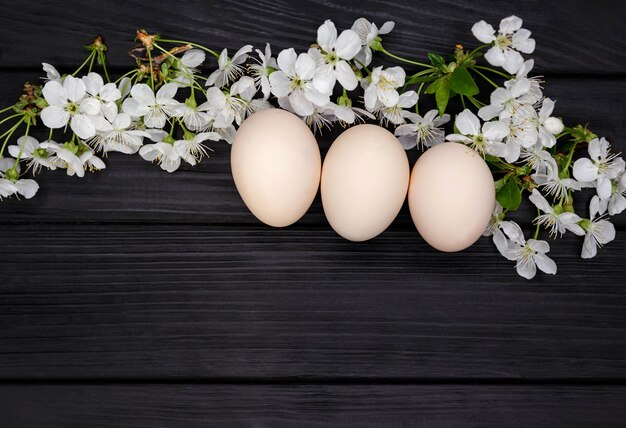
point(510, 39)
point(556, 222)
point(617, 202)
point(245, 90)
point(603, 166)
point(192, 151)
point(497, 228)
point(163, 153)
point(422, 131)
point(20, 186)
point(333, 58)
point(320, 118)
point(67, 102)
point(549, 179)
point(194, 119)
point(537, 158)
point(598, 231)
point(396, 113)
point(529, 255)
point(51, 73)
point(505, 101)
point(66, 158)
point(89, 161)
point(295, 80)
point(154, 109)
point(35, 156)
point(553, 125)
point(535, 93)
point(368, 32)
point(117, 136)
point(486, 140)
point(523, 131)
point(349, 114)
point(383, 87)
point(106, 95)
point(261, 71)
point(548, 126)
point(228, 68)
point(184, 67)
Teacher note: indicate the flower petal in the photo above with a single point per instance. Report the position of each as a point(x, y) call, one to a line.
point(54, 116)
point(585, 170)
point(327, 35)
point(82, 126)
point(484, 32)
point(348, 45)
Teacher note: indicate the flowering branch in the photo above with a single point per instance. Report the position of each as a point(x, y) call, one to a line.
point(166, 110)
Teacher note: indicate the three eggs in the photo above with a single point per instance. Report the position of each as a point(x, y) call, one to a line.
point(277, 169)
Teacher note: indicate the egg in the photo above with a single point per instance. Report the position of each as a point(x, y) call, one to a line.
point(276, 166)
point(364, 181)
point(451, 196)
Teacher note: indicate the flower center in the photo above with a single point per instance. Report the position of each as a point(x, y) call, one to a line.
point(72, 108)
point(503, 41)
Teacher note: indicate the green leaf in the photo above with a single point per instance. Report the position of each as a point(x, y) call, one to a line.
point(432, 88)
point(442, 95)
point(436, 60)
point(509, 195)
point(461, 81)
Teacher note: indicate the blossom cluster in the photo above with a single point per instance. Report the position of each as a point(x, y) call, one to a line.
point(168, 111)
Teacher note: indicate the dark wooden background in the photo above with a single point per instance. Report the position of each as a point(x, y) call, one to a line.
point(135, 298)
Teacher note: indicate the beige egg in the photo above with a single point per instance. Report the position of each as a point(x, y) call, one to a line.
point(276, 166)
point(451, 196)
point(364, 182)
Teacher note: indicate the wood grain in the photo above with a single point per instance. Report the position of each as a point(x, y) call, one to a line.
point(572, 36)
point(306, 405)
point(138, 298)
point(207, 302)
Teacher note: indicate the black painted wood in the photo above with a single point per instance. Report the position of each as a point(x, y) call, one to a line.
point(204, 302)
point(573, 36)
point(306, 405)
point(114, 286)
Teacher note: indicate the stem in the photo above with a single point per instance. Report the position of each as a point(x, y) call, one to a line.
point(538, 225)
point(419, 91)
point(125, 75)
point(211, 51)
point(463, 101)
point(471, 54)
point(7, 108)
point(495, 85)
point(93, 57)
point(570, 156)
point(104, 67)
point(474, 101)
point(19, 155)
point(10, 117)
point(151, 70)
point(408, 61)
point(498, 72)
point(9, 132)
point(84, 63)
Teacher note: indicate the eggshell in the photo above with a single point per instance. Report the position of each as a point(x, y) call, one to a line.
point(364, 181)
point(276, 166)
point(451, 196)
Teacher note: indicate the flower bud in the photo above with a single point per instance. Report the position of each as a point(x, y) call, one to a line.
point(553, 125)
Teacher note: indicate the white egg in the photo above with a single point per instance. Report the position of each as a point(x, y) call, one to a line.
point(276, 166)
point(364, 182)
point(451, 196)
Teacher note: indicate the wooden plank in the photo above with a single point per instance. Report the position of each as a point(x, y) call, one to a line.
point(133, 190)
point(302, 405)
point(572, 36)
point(206, 302)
